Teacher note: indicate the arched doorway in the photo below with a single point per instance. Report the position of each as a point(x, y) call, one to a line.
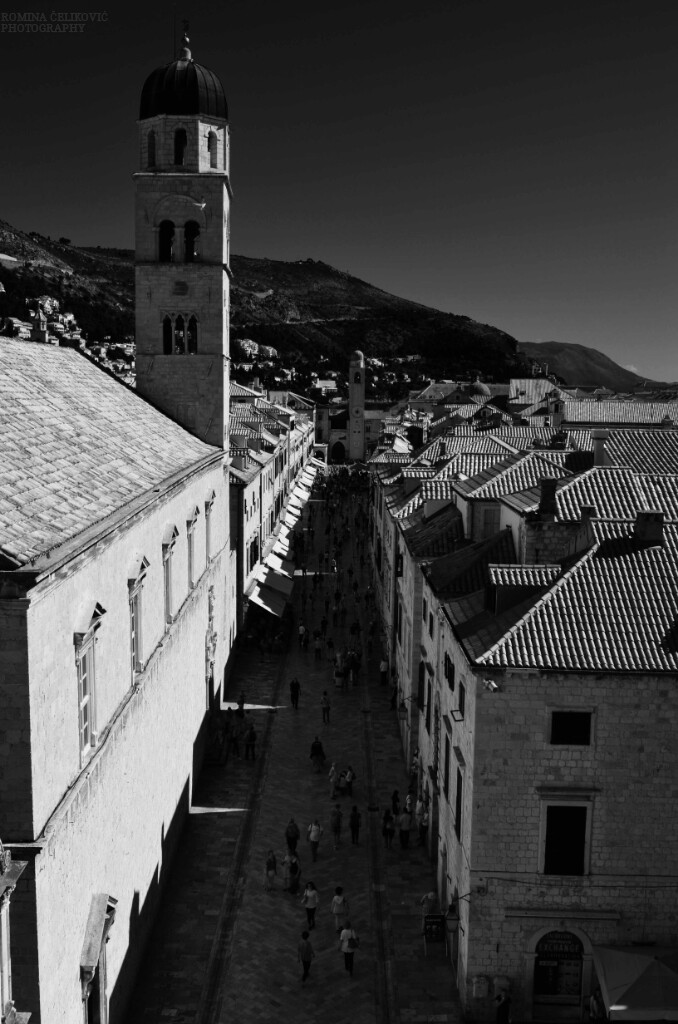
point(561, 965)
point(338, 452)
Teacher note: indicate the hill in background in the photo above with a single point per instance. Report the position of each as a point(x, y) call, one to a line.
point(304, 309)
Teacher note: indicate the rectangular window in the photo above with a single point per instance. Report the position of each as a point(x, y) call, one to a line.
point(571, 728)
point(565, 842)
point(462, 699)
point(86, 677)
point(458, 804)
point(421, 685)
point(167, 581)
point(135, 630)
point(424, 610)
point(428, 707)
point(190, 541)
point(449, 671)
point(446, 768)
point(208, 531)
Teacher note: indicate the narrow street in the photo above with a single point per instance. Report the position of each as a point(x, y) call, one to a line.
point(224, 948)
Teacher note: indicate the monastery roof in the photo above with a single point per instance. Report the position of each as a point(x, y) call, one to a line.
point(531, 390)
point(76, 445)
point(614, 610)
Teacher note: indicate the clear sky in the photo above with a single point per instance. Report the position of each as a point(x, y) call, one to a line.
point(512, 161)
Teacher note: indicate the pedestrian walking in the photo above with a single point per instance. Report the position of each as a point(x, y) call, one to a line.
point(348, 943)
point(350, 779)
point(270, 871)
point(503, 1001)
point(409, 802)
point(329, 644)
point(395, 803)
point(317, 755)
point(333, 777)
point(291, 872)
point(301, 633)
point(314, 833)
point(405, 824)
point(423, 828)
point(305, 955)
point(310, 900)
point(292, 834)
point(295, 690)
point(354, 822)
point(325, 705)
point(388, 828)
point(318, 648)
point(336, 818)
point(428, 903)
point(323, 627)
point(339, 909)
point(250, 744)
point(383, 672)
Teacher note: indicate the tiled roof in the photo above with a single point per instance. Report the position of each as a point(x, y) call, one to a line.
point(614, 491)
point(465, 570)
point(531, 390)
point(516, 473)
point(524, 575)
point(615, 610)
point(75, 447)
point(468, 464)
point(611, 411)
point(437, 535)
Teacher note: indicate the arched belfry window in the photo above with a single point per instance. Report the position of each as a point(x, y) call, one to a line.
point(151, 149)
point(167, 336)
point(192, 336)
point(191, 236)
point(179, 335)
point(166, 241)
point(212, 148)
point(357, 378)
point(180, 143)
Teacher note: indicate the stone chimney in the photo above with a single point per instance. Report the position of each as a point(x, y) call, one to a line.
point(649, 527)
point(587, 513)
point(599, 437)
point(547, 499)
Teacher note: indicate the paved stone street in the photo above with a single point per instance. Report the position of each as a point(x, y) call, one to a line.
point(224, 949)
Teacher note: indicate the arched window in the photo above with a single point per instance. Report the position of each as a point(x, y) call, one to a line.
point(212, 148)
point(192, 337)
point(179, 336)
point(151, 149)
point(166, 241)
point(167, 336)
point(180, 143)
point(191, 236)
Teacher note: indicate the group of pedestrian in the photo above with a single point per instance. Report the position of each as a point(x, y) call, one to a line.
point(406, 819)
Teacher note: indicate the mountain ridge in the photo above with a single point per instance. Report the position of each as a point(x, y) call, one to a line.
point(302, 308)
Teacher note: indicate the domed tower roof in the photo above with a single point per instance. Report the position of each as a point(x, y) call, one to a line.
point(183, 87)
point(478, 388)
point(357, 356)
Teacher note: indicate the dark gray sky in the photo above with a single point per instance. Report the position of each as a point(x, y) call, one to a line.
point(515, 162)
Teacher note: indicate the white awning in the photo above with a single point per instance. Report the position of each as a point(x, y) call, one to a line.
point(269, 600)
point(317, 463)
point(280, 564)
point(275, 580)
point(300, 493)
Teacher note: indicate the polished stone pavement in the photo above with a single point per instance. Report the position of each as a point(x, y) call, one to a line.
point(223, 948)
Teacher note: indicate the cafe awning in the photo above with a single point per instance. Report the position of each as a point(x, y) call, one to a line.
point(280, 564)
point(269, 600)
point(275, 580)
point(638, 983)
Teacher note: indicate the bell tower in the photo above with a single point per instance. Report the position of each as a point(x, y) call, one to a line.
point(356, 407)
point(182, 215)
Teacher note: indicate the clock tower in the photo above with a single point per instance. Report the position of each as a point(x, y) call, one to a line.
point(183, 198)
point(356, 407)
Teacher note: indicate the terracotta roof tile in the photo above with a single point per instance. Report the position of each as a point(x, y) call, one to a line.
point(76, 445)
